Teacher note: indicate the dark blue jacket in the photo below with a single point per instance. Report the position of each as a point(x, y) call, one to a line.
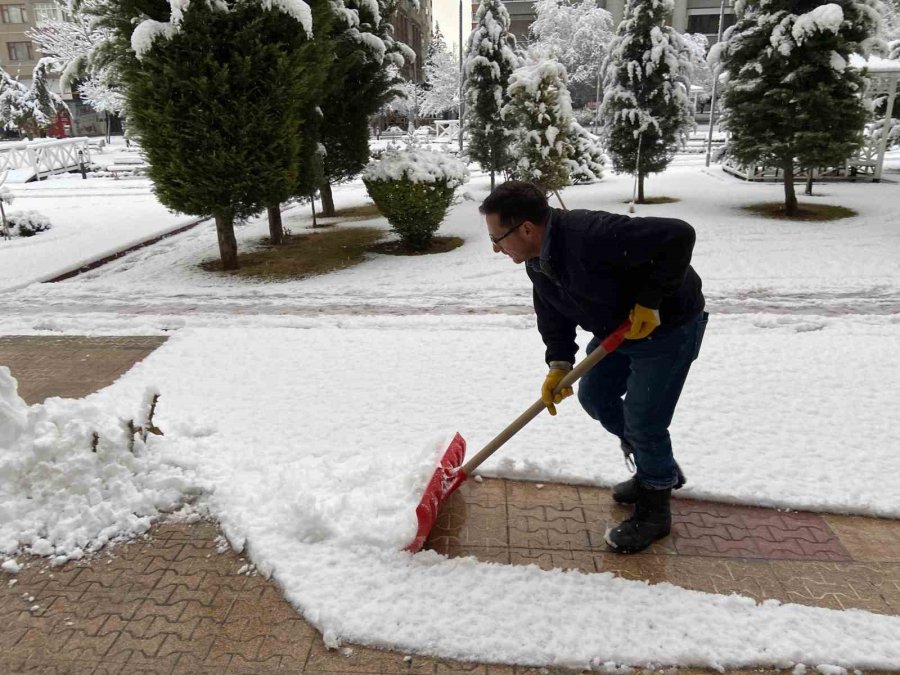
point(595, 266)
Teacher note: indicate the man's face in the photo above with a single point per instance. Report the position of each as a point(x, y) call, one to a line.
point(520, 244)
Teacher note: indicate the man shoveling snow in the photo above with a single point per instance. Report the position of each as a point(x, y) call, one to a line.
point(594, 269)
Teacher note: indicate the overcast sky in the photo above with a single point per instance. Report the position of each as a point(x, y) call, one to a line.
point(446, 14)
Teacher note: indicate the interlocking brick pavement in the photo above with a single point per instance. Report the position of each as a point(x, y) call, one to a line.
point(171, 603)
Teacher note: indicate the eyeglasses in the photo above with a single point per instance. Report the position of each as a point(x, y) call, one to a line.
point(497, 240)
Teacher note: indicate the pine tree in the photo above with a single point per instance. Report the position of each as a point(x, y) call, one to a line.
point(790, 100)
point(441, 90)
point(12, 101)
point(490, 60)
point(360, 83)
point(586, 162)
point(221, 126)
point(645, 111)
point(539, 113)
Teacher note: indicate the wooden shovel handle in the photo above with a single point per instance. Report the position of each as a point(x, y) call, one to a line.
point(609, 344)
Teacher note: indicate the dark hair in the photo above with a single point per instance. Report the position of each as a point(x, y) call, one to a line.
point(516, 201)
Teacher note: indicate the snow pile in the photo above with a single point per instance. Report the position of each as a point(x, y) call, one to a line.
point(74, 477)
point(822, 19)
point(417, 166)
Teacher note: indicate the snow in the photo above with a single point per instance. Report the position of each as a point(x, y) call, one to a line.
point(786, 406)
point(296, 9)
point(88, 220)
point(417, 166)
point(73, 477)
point(11, 566)
point(822, 19)
point(147, 32)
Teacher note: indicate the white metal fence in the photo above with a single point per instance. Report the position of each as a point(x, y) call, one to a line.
point(45, 157)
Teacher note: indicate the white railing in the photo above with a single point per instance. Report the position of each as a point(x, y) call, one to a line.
point(447, 130)
point(45, 157)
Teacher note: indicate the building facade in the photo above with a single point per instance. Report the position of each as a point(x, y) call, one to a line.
point(689, 16)
point(412, 26)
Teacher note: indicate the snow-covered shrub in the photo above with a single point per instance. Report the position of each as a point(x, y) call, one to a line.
point(28, 223)
point(414, 189)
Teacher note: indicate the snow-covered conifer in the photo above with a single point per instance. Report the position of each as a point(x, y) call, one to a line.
point(790, 99)
point(645, 111)
point(539, 115)
point(363, 77)
point(490, 60)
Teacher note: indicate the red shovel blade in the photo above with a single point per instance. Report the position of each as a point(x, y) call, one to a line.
point(447, 477)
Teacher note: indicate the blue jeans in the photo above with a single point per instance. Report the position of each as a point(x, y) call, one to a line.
point(650, 375)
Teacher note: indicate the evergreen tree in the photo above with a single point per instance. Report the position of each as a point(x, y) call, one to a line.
point(585, 161)
point(539, 113)
point(29, 109)
point(219, 96)
point(790, 100)
point(360, 82)
point(490, 60)
point(645, 111)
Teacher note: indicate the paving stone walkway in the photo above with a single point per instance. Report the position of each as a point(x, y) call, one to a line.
point(174, 602)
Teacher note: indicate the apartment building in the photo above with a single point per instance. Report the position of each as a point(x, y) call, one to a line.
point(412, 26)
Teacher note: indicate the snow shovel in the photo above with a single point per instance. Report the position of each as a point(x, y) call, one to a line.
point(450, 472)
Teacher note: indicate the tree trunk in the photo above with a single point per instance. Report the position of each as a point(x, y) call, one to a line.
point(790, 197)
point(327, 199)
point(809, 184)
point(640, 198)
point(227, 242)
point(492, 180)
point(276, 231)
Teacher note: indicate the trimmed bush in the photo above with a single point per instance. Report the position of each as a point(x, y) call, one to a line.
point(414, 189)
point(28, 223)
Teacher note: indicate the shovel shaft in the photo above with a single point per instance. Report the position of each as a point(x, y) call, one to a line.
point(592, 359)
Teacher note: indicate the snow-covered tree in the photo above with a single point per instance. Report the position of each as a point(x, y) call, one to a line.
point(29, 109)
point(490, 60)
point(702, 76)
point(12, 101)
point(408, 101)
point(441, 90)
point(576, 33)
point(586, 161)
point(789, 99)
point(72, 43)
point(548, 146)
point(539, 114)
point(646, 110)
point(362, 79)
point(221, 96)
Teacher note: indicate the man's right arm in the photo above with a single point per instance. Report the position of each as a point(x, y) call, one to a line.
point(557, 331)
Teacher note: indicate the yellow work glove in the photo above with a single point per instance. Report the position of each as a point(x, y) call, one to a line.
point(551, 382)
point(643, 322)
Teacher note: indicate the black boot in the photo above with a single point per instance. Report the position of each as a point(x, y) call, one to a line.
point(626, 492)
point(651, 520)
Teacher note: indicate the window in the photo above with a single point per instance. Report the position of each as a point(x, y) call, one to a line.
point(47, 11)
point(19, 51)
point(708, 23)
point(13, 14)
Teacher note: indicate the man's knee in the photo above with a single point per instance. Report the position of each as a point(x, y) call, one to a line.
point(599, 402)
